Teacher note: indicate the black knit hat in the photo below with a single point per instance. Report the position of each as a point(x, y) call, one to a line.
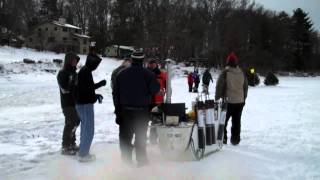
point(137, 55)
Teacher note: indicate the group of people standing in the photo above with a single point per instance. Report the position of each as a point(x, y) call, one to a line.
point(77, 94)
point(135, 90)
point(194, 81)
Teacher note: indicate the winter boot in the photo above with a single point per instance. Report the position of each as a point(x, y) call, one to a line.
point(87, 158)
point(75, 147)
point(68, 151)
point(225, 141)
point(235, 141)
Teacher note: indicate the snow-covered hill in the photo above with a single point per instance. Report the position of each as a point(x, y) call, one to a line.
point(280, 130)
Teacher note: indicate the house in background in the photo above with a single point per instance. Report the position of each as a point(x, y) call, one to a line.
point(59, 37)
point(118, 51)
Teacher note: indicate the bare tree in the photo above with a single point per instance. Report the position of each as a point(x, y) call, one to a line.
point(81, 8)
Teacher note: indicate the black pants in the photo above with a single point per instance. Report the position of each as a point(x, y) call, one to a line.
point(134, 122)
point(72, 121)
point(196, 85)
point(234, 111)
point(190, 86)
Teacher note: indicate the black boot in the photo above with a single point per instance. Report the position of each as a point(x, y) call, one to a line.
point(75, 147)
point(68, 151)
point(235, 141)
point(225, 141)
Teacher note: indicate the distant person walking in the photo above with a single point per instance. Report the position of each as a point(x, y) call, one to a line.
point(86, 97)
point(66, 79)
point(196, 79)
point(132, 94)
point(232, 85)
point(190, 81)
point(206, 78)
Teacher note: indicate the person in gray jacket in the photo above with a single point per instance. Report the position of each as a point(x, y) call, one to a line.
point(232, 85)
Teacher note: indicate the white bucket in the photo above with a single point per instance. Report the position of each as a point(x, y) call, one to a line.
point(174, 140)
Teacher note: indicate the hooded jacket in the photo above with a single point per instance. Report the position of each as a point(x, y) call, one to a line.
point(85, 90)
point(66, 80)
point(233, 85)
point(206, 78)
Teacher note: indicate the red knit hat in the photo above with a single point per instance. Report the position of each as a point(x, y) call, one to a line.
point(232, 58)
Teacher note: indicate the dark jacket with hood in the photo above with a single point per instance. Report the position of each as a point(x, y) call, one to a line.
point(206, 78)
point(134, 87)
point(85, 93)
point(66, 80)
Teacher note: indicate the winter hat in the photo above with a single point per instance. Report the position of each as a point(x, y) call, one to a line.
point(137, 56)
point(232, 59)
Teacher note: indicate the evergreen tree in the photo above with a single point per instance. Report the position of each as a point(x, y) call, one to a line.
point(121, 22)
point(301, 37)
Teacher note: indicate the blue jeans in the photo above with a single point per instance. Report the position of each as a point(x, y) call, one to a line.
point(86, 114)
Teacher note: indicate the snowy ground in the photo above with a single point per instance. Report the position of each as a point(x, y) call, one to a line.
point(280, 135)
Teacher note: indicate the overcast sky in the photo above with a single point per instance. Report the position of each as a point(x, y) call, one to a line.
point(312, 7)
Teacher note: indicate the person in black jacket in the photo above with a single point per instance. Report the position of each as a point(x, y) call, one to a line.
point(126, 63)
point(206, 78)
point(132, 93)
point(66, 80)
point(85, 98)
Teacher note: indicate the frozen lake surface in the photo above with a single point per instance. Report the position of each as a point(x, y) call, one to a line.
point(280, 131)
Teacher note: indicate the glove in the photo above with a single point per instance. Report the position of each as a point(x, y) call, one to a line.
point(117, 111)
point(99, 97)
point(102, 83)
point(118, 119)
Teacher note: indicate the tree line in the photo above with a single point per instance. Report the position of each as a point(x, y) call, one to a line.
point(183, 29)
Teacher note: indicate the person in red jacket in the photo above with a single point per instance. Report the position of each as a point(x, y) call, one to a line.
point(190, 81)
point(162, 80)
point(158, 98)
